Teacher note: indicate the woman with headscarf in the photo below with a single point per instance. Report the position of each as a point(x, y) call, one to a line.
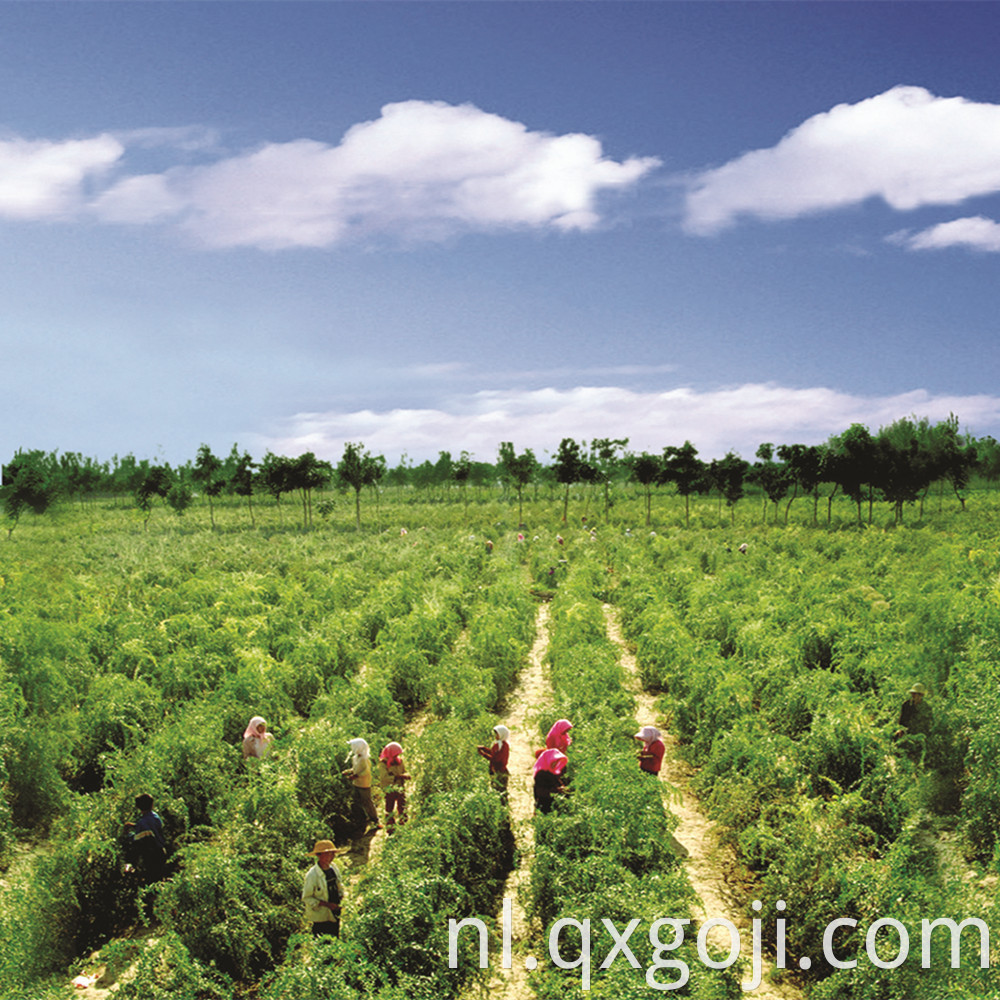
point(498, 755)
point(359, 770)
point(549, 768)
point(256, 739)
point(559, 738)
point(391, 778)
point(651, 754)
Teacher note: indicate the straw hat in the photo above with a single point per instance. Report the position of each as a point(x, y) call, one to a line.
point(918, 689)
point(323, 846)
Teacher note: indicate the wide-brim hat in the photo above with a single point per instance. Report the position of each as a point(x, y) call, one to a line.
point(918, 689)
point(323, 846)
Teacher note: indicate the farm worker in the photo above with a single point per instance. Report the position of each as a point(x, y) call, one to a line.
point(743, 548)
point(256, 739)
point(322, 891)
point(559, 738)
point(392, 777)
point(548, 778)
point(651, 754)
point(498, 755)
point(148, 841)
point(489, 545)
point(359, 770)
point(915, 715)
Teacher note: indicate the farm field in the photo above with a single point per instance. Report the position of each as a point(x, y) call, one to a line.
point(134, 651)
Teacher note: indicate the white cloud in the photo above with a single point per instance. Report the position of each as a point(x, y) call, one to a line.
point(41, 179)
point(975, 232)
point(737, 418)
point(423, 170)
point(905, 146)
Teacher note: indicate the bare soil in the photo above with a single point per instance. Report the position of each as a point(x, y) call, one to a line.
point(724, 886)
point(532, 694)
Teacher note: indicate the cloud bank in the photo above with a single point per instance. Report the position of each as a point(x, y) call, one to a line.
point(42, 179)
point(421, 171)
point(906, 146)
point(974, 233)
point(737, 418)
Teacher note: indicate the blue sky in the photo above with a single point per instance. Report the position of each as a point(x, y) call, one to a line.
point(439, 226)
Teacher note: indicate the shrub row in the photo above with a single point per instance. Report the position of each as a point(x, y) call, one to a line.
point(606, 850)
point(783, 675)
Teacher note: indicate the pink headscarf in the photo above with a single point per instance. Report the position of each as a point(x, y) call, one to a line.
point(648, 734)
point(558, 738)
point(551, 760)
point(391, 753)
point(251, 729)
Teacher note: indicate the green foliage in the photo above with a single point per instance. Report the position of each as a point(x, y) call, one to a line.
point(132, 660)
point(231, 906)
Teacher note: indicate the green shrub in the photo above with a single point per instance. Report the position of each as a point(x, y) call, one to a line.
point(233, 907)
point(165, 969)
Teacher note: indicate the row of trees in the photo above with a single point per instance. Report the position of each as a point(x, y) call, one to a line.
point(34, 480)
point(897, 465)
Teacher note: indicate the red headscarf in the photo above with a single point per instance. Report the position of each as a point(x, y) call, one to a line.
point(551, 760)
point(391, 753)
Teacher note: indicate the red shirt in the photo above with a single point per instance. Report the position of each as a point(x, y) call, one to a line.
point(498, 755)
point(651, 757)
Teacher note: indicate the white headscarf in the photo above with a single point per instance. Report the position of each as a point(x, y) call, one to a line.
point(647, 734)
point(359, 748)
point(502, 733)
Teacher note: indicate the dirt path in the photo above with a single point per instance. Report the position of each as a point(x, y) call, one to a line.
point(721, 882)
point(531, 694)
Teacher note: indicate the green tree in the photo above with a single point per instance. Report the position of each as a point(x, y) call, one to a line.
point(903, 468)
point(308, 473)
point(806, 464)
point(242, 477)
point(647, 471)
point(851, 465)
point(729, 475)
point(683, 468)
point(356, 470)
point(988, 458)
point(444, 471)
point(519, 470)
point(207, 473)
point(461, 472)
point(570, 467)
point(156, 482)
point(774, 478)
point(26, 485)
point(605, 461)
point(954, 455)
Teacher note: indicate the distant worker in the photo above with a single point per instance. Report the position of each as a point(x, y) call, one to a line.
point(359, 771)
point(743, 549)
point(651, 754)
point(257, 741)
point(146, 841)
point(915, 715)
point(392, 778)
point(323, 891)
point(498, 755)
point(559, 738)
point(549, 769)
